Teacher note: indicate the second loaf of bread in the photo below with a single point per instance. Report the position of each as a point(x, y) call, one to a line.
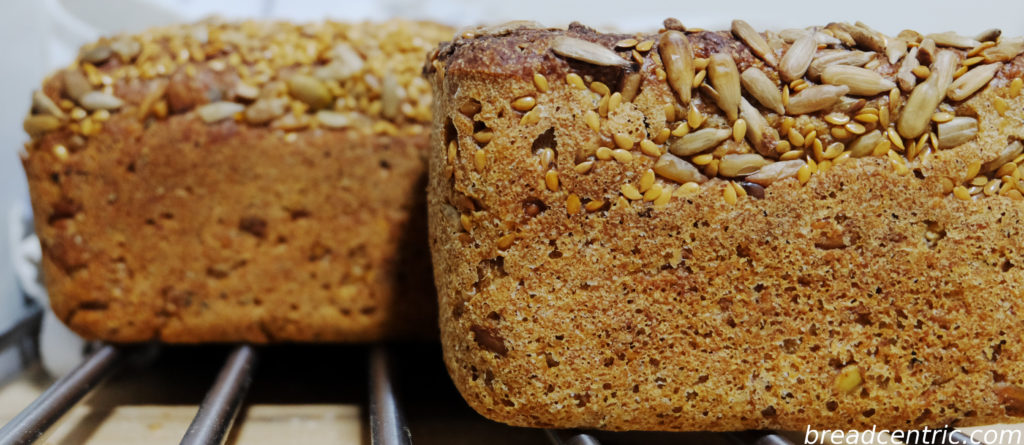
point(697, 230)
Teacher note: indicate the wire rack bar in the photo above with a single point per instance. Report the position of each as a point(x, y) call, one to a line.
point(221, 404)
point(387, 424)
point(29, 425)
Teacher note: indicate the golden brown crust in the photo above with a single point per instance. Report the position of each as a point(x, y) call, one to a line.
point(865, 296)
point(161, 219)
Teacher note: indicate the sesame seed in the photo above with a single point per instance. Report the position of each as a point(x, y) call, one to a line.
point(594, 205)
point(895, 138)
point(703, 159)
point(662, 136)
point(693, 117)
point(630, 191)
point(1016, 86)
point(688, 188)
point(603, 153)
point(466, 222)
point(795, 138)
point(730, 195)
point(646, 180)
point(739, 130)
point(572, 204)
point(664, 197)
point(626, 43)
point(645, 46)
point(483, 137)
point(973, 169)
point(699, 78)
point(855, 128)
point(681, 130)
point(583, 167)
point(531, 117)
point(480, 160)
point(804, 174)
point(575, 81)
point(540, 82)
point(506, 241)
point(809, 138)
point(551, 180)
point(866, 118)
point(649, 148)
point(622, 156)
point(791, 155)
point(1000, 105)
point(614, 101)
point(653, 193)
point(61, 152)
point(837, 118)
point(525, 103)
point(623, 140)
point(593, 120)
point(600, 88)
point(961, 193)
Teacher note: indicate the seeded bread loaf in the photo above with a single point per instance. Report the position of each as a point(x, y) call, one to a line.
point(697, 230)
point(237, 182)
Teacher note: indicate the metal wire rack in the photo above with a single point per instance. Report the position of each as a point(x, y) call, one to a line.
point(219, 408)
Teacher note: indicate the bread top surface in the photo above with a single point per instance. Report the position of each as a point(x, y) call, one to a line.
point(824, 112)
point(362, 76)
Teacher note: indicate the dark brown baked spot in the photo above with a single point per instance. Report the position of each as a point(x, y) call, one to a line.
point(253, 225)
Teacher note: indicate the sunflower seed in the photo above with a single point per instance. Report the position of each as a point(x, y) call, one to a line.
point(865, 144)
point(905, 76)
point(1006, 50)
point(972, 81)
point(98, 100)
point(957, 131)
point(838, 30)
point(760, 87)
point(246, 91)
point(700, 140)
point(40, 124)
point(733, 165)
point(310, 90)
point(41, 103)
point(953, 39)
point(96, 54)
point(917, 113)
point(265, 110)
point(910, 36)
point(895, 49)
point(862, 81)
point(761, 135)
point(927, 51)
point(989, 35)
point(678, 170)
point(126, 48)
point(585, 51)
point(75, 84)
point(776, 171)
point(754, 41)
point(798, 58)
point(837, 57)
point(793, 34)
point(864, 36)
point(816, 98)
point(677, 56)
point(218, 111)
point(1008, 154)
point(333, 119)
point(725, 77)
point(507, 27)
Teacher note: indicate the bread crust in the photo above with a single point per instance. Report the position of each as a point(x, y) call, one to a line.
point(160, 222)
point(701, 314)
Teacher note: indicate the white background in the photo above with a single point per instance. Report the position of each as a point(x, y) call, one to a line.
point(39, 36)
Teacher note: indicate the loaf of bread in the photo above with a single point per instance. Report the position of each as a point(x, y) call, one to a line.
point(696, 230)
point(251, 181)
